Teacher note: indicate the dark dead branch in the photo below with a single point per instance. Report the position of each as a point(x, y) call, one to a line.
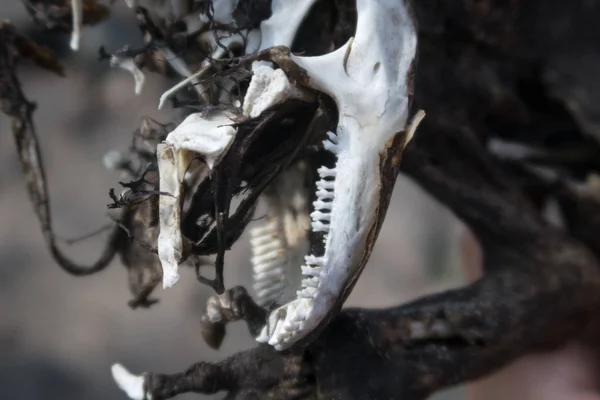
point(16, 105)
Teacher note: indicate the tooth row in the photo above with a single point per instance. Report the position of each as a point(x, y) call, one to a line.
point(285, 328)
point(314, 267)
point(268, 262)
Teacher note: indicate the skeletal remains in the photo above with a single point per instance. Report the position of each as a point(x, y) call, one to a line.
point(308, 109)
point(369, 79)
point(313, 244)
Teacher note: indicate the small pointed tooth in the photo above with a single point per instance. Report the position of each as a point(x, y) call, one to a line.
point(315, 260)
point(264, 258)
point(265, 229)
point(311, 271)
point(290, 325)
point(307, 293)
point(132, 385)
point(327, 185)
point(332, 136)
point(300, 312)
point(332, 147)
point(321, 205)
point(311, 282)
point(283, 335)
point(325, 172)
point(276, 332)
point(318, 226)
point(320, 216)
point(263, 336)
point(324, 194)
point(259, 240)
point(267, 247)
point(266, 266)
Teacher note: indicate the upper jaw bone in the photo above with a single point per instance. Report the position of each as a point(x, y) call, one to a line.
point(208, 137)
point(369, 80)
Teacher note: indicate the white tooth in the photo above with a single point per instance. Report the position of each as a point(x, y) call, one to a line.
point(311, 282)
point(333, 137)
point(258, 268)
point(268, 274)
point(264, 248)
point(284, 335)
point(131, 384)
point(320, 216)
point(325, 172)
point(275, 339)
point(325, 185)
point(311, 271)
point(263, 258)
point(291, 326)
point(315, 260)
point(332, 147)
point(300, 312)
point(307, 293)
point(324, 194)
point(263, 336)
point(264, 229)
point(260, 240)
point(321, 205)
point(319, 227)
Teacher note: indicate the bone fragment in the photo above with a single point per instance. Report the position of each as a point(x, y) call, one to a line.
point(208, 138)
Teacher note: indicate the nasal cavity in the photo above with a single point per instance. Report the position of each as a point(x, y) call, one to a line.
point(326, 27)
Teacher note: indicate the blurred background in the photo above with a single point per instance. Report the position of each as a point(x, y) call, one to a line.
point(59, 334)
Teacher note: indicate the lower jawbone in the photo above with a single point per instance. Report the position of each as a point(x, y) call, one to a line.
point(351, 202)
point(370, 80)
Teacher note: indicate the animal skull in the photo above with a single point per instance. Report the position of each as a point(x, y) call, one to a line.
point(370, 80)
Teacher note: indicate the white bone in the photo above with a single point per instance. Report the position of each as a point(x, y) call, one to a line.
point(128, 64)
point(181, 68)
point(132, 385)
point(288, 220)
point(368, 79)
point(208, 39)
point(77, 11)
point(208, 137)
point(286, 17)
point(270, 87)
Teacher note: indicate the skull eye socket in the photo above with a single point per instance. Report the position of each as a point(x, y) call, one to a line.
point(336, 22)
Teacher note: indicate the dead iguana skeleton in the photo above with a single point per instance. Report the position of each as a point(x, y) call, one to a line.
point(370, 80)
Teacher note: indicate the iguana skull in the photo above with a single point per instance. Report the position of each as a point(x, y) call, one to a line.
point(370, 79)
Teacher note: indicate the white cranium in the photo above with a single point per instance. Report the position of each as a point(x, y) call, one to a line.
point(369, 80)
